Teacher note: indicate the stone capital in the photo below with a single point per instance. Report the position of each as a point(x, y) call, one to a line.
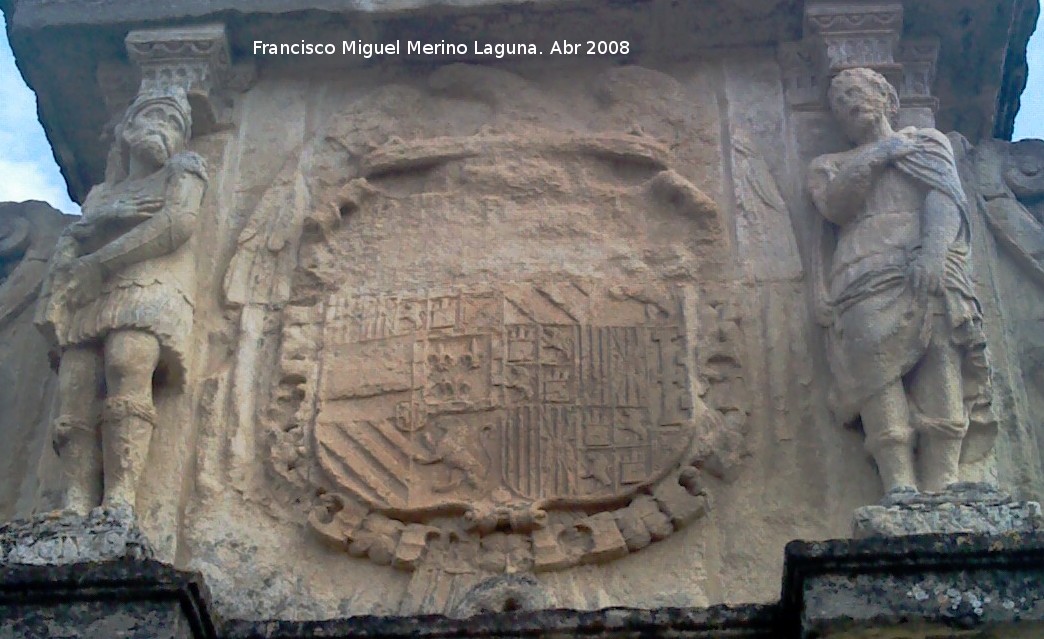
point(846, 34)
point(855, 34)
point(193, 58)
point(838, 16)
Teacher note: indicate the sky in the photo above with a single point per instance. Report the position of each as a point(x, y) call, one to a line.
point(28, 170)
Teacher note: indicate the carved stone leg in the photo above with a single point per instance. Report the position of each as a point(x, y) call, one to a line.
point(940, 461)
point(939, 415)
point(130, 360)
point(889, 437)
point(75, 434)
point(78, 445)
point(126, 433)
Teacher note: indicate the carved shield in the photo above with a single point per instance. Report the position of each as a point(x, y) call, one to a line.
point(501, 339)
point(537, 394)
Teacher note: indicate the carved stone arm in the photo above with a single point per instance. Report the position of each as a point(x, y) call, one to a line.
point(940, 224)
point(126, 210)
point(163, 233)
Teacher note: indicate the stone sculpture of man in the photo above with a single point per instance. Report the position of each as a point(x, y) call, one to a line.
point(906, 346)
point(118, 301)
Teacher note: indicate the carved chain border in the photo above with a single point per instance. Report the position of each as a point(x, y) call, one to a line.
point(350, 525)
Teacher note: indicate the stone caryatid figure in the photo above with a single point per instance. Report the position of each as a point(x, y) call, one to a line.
point(905, 341)
point(117, 301)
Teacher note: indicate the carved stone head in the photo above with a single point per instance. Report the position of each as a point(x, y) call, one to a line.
point(859, 98)
point(156, 126)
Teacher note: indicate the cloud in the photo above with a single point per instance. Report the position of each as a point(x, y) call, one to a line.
point(21, 181)
point(19, 102)
point(27, 167)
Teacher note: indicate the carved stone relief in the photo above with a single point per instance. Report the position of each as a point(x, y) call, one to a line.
point(533, 404)
point(1012, 188)
point(497, 406)
point(905, 339)
point(1003, 180)
point(28, 232)
point(856, 36)
point(118, 301)
point(196, 59)
point(764, 224)
point(522, 335)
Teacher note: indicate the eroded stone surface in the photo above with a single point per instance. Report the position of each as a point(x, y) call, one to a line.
point(869, 606)
point(118, 300)
point(96, 620)
point(967, 508)
point(1005, 190)
point(927, 585)
point(70, 538)
point(28, 233)
point(494, 406)
point(128, 598)
point(753, 622)
point(549, 401)
point(975, 38)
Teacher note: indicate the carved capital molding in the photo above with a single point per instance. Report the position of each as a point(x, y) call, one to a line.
point(193, 58)
point(855, 34)
point(841, 35)
point(823, 17)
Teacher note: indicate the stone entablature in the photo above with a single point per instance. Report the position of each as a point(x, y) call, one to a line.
point(682, 30)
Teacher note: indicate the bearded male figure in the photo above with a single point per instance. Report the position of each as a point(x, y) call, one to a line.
point(117, 302)
point(905, 341)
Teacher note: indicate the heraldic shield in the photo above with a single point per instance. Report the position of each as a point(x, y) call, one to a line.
point(528, 396)
point(491, 341)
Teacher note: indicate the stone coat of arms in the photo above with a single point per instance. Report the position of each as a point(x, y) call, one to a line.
point(500, 423)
